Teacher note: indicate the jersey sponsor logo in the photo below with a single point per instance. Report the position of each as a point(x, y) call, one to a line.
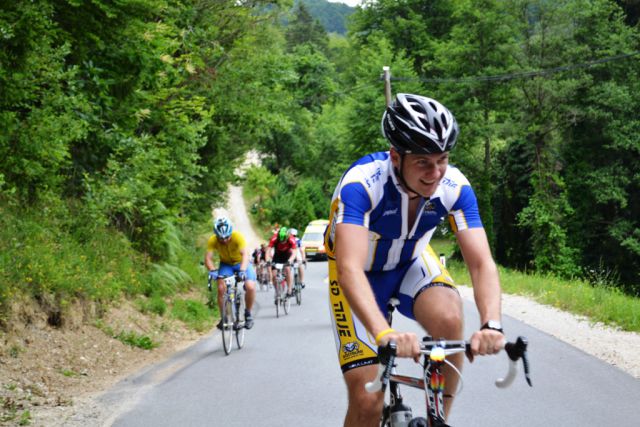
point(375, 177)
point(429, 208)
point(449, 183)
point(390, 212)
point(351, 350)
point(350, 347)
point(342, 324)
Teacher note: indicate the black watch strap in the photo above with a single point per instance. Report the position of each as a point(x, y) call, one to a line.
point(488, 325)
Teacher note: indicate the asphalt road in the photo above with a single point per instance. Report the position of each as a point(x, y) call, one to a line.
point(287, 374)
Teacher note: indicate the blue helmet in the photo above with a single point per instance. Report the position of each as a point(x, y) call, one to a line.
point(222, 227)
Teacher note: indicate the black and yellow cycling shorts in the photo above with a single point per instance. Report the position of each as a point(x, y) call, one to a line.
point(355, 345)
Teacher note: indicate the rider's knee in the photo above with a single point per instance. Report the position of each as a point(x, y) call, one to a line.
point(448, 324)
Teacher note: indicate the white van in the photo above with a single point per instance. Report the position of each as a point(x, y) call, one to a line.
point(313, 239)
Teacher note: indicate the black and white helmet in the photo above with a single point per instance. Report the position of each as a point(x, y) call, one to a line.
point(415, 124)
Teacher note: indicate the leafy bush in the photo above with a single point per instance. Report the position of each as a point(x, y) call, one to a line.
point(193, 313)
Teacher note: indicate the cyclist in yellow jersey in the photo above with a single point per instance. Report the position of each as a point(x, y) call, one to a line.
point(232, 250)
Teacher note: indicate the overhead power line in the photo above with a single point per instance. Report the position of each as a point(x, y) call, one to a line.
point(520, 75)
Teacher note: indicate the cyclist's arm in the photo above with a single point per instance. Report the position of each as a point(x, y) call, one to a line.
point(244, 264)
point(351, 252)
point(293, 252)
point(303, 256)
point(208, 261)
point(486, 285)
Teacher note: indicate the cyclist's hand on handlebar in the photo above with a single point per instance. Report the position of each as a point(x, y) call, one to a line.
point(407, 344)
point(486, 342)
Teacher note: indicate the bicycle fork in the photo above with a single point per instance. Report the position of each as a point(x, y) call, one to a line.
point(434, 389)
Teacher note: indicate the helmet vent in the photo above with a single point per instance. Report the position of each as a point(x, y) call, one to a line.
point(438, 129)
point(443, 117)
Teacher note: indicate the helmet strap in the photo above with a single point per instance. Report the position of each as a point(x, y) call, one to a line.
point(400, 176)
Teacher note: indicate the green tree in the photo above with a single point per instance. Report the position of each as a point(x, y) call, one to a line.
point(303, 28)
point(480, 43)
point(602, 149)
point(41, 106)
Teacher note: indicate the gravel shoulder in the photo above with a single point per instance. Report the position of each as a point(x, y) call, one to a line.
point(596, 339)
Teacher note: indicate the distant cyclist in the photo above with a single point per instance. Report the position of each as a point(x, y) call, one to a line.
point(259, 261)
point(300, 255)
point(282, 249)
point(232, 250)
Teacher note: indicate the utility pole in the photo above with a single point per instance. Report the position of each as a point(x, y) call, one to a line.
point(386, 75)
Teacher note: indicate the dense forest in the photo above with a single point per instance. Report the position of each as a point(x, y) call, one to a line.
point(129, 117)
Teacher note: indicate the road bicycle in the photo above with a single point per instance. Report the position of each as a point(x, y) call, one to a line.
point(297, 284)
point(233, 309)
point(281, 296)
point(395, 413)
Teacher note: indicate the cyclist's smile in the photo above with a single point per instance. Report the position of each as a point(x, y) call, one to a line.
point(423, 172)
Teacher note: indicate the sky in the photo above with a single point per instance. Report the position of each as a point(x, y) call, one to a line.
point(349, 2)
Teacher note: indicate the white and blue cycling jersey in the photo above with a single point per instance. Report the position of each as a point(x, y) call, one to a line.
point(370, 195)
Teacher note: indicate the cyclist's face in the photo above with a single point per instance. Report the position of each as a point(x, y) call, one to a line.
point(423, 172)
point(224, 240)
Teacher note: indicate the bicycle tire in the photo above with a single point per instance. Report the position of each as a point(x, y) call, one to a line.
point(298, 291)
point(227, 327)
point(277, 301)
point(286, 304)
point(241, 321)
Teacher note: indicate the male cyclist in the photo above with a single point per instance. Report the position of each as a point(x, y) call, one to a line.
point(284, 251)
point(301, 258)
point(383, 214)
point(234, 257)
point(259, 261)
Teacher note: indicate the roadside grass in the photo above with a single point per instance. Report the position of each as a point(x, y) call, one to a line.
point(194, 313)
point(56, 256)
point(599, 303)
point(130, 338)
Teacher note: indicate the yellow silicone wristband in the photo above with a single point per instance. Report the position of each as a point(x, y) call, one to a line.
point(383, 333)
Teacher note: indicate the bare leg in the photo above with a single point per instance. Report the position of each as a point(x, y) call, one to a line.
point(250, 296)
point(364, 408)
point(290, 279)
point(222, 289)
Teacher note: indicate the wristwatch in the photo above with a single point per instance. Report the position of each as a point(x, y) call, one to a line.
point(494, 325)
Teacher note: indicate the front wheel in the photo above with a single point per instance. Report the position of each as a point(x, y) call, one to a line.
point(240, 322)
point(227, 324)
point(298, 292)
point(286, 304)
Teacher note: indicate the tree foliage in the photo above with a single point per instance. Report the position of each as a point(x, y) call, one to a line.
point(140, 110)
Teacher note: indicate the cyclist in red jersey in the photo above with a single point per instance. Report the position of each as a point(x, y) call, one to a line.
point(284, 251)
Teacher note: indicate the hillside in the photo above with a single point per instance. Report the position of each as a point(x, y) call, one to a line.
point(332, 16)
